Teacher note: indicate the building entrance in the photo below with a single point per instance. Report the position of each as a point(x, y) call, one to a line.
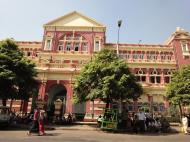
point(56, 103)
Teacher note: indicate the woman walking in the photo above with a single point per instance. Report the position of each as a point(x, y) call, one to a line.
point(41, 123)
point(35, 125)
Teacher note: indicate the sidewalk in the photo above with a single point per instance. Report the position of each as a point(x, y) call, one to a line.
point(75, 126)
point(86, 126)
point(92, 126)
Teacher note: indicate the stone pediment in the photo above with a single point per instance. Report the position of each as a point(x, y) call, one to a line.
point(74, 19)
point(179, 34)
point(182, 36)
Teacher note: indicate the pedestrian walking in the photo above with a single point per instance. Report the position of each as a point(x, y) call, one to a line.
point(141, 119)
point(184, 124)
point(41, 123)
point(35, 125)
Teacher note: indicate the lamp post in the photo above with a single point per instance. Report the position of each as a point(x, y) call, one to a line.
point(119, 25)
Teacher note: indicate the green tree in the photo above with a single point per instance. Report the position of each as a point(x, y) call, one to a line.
point(106, 77)
point(17, 74)
point(178, 91)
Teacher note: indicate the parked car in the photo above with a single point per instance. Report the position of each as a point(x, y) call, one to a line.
point(5, 117)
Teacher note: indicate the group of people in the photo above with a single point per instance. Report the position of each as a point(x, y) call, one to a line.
point(142, 122)
point(37, 123)
point(138, 122)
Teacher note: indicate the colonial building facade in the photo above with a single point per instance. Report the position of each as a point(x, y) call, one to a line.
point(71, 41)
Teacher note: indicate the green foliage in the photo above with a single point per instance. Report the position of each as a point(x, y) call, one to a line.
point(178, 91)
point(106, 77)
point(16, 72)
point(173, 111)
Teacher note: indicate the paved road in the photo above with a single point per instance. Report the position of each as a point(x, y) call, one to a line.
point(88, 136)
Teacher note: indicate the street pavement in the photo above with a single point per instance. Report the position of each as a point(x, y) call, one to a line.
point(88, 136)
point(87, 133)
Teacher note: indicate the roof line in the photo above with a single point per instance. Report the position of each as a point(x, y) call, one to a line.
point(74, 12)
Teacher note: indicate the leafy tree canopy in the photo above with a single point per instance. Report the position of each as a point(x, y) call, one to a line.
point(106, 77)
point(179, 88)
point(16, 72)
point(178, 91)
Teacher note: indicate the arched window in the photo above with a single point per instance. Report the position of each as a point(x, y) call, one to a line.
point(163, 56)
point(72, 42)
point(85, 47)
point(48, 44)
point(155, 77)
point(61, 46)
point(152, 55)
point(76, 46)
point(184, 46)
point(167, 76)
point(68, 46)
point(141, 77)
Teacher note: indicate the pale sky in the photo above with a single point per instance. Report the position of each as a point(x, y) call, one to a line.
point(151, 21)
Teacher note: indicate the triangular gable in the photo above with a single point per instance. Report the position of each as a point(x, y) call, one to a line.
point(178, 34)
point(74, 19)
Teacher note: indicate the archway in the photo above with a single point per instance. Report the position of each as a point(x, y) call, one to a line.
point(56, 93)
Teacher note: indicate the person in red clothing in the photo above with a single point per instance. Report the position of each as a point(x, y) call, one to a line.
point(35, 125)
point(41, 123)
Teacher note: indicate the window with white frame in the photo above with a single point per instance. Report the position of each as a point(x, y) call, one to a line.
point(97, 45)
point(168, 57)
point(141, 56)
point(68, 46)
point(184, 46)
point(72, 42)
point(167, 76)
point(135, 56)
point(60, 46)
point(48, 44)
point(141, 76)
point(85, 47)
point(155, 77)
point(76, 46)
point(127, 56)
point(163, 56)
point(152, 56)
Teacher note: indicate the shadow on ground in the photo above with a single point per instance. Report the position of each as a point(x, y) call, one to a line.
point(171, 132)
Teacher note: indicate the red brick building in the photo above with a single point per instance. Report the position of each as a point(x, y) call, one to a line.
point(70, 41)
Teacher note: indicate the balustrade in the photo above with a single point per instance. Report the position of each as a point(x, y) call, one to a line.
point(157, 58)
point(58, 65)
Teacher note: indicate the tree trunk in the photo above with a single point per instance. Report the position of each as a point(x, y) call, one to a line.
point(120, 106)
point(4, 102)
point(11, 104)
point(107, 103)
point(93, 109)
point(180, 110)
point(25, 106)
point(21, 106)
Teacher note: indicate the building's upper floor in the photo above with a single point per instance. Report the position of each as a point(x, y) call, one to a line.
point(75, 35)
point(72, 40)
